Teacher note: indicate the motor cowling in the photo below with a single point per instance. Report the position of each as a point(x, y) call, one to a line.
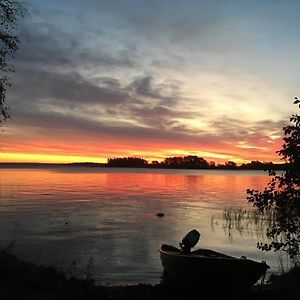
point(189, 241)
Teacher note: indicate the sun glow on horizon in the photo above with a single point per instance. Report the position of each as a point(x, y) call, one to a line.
point(45, 158)
point(160, 157)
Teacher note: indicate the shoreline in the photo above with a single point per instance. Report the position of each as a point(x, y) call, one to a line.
point(22, 165)
point(24, 280)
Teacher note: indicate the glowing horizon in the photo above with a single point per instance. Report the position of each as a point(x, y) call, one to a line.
point(43, 158)
point(55, 156)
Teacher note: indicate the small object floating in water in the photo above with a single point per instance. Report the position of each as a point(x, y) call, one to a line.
point(207, 267)
point(160, 215)
point(66, 223)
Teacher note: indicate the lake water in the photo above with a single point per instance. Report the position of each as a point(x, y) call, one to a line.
point(104, 219)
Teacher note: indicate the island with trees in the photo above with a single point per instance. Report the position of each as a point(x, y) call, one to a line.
point(191, 162)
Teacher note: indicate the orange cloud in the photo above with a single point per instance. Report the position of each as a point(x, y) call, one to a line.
point(51, 150)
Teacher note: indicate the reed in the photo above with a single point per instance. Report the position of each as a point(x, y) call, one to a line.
point(248, 221)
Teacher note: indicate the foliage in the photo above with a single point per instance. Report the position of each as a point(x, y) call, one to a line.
point(282, 194)
point(186, 162)
point(127, 162)
point(231, 165)
point(11, 11)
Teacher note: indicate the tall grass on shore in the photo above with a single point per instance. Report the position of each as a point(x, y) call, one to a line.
point(257, 225)
point(247, 221)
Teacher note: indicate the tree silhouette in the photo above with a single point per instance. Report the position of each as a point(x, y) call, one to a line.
point(186, 162)
point(231, 165)
point(127, 162)
point(282, 194)
point(10, 14)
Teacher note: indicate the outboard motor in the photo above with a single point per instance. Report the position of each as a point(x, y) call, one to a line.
point(189, 241)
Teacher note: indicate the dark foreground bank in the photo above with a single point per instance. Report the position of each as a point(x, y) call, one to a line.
point(23, 280)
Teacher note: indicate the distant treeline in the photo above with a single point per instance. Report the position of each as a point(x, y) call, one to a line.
point(177, 162)
point(189, 162)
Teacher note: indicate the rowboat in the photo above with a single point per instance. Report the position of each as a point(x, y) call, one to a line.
point(208, 267)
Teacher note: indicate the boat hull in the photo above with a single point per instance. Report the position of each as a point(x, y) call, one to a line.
point(210, 268)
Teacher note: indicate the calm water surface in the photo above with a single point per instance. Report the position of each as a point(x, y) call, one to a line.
point(106, 218)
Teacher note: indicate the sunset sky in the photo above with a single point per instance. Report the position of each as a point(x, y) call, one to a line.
point(151, 78)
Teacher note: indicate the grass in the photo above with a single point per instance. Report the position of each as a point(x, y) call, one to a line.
point(23, 280)
point(247, 220)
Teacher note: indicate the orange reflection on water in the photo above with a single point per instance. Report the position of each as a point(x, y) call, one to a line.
point(111, 214)
point(230, 186)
